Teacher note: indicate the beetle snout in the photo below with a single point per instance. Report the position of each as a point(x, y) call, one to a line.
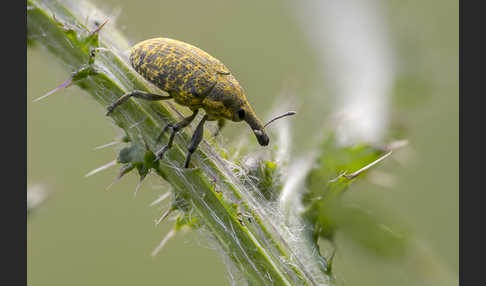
point(261, 137)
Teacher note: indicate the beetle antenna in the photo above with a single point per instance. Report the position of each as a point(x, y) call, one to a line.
point(278, 117)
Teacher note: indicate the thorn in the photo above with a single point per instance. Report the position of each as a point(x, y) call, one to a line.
point(395, 145)
point(63, 85)
point(106, 145)
point(99, 169)
point(169, 235)
point(160, 199)
point(354, 174)
point(138, 185)
point(55, 19)
point(338, 177)
point(164, 215)
point(63, 26)
point(127, 168)
point(99, 28)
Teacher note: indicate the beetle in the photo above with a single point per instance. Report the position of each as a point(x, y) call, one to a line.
point(194, 79)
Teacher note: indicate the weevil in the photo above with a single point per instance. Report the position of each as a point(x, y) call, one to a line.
point(194, 79)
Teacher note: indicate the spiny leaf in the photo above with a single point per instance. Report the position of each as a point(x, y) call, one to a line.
point(325, 208)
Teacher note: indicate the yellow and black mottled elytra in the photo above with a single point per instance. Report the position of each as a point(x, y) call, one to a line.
point(195, 79)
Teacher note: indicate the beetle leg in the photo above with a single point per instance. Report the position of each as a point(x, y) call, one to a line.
point(175, 128)
point(195, 140)
point(167, 126)
point(137, 94)
point(221, 124)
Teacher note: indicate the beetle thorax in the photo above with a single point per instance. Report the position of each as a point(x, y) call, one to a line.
point(225, 99)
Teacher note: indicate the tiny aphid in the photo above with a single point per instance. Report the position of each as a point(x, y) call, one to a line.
point(194, 79)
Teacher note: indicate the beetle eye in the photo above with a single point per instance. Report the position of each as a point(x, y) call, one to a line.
point(241, 114)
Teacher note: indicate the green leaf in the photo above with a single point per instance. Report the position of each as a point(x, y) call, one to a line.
point(325, 208)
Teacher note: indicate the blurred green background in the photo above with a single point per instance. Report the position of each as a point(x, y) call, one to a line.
point(84, 235)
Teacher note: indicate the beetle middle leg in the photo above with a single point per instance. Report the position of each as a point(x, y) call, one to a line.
point(195, 140)
point(175, 128)
point(137, 94)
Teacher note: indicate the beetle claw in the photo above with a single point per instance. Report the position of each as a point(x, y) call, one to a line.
point(167, 126)
point(109, 109)
point(161, 153)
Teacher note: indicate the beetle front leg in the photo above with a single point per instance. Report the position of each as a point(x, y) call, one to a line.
point(195, 140)
point(137, 94)
point(175, 128)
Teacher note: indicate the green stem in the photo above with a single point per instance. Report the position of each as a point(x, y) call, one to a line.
point(259, 249)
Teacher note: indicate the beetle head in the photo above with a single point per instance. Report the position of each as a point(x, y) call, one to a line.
point(241, 111)
point(236, 108)
point(227, 100)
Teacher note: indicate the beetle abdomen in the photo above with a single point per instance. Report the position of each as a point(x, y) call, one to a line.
point(176, 67)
